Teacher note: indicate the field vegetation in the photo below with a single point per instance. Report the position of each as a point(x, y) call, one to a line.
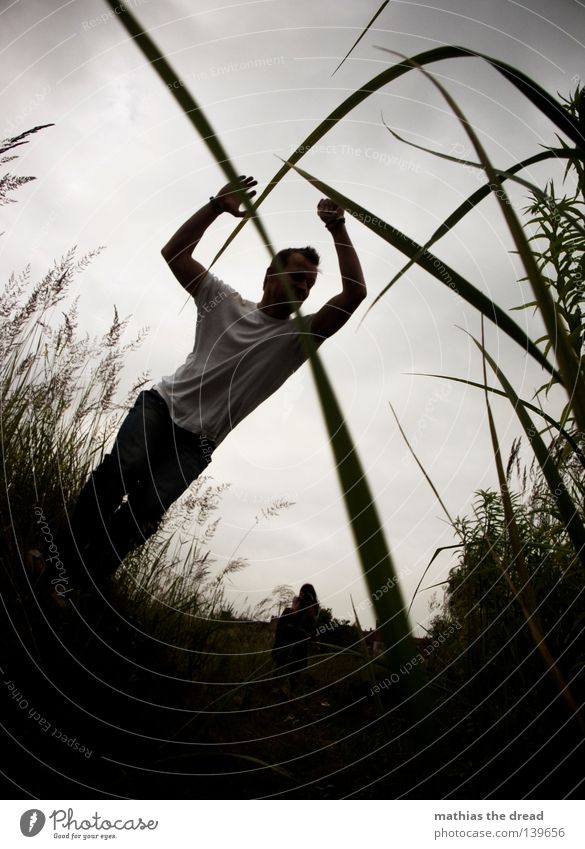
point(160, 688)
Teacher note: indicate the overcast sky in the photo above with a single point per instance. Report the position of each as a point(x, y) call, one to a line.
point(122, 167)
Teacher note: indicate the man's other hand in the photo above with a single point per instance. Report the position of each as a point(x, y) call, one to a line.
point(328, 211)
point(231, 200)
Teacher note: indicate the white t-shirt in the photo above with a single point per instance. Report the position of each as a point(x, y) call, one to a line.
point(240, 357)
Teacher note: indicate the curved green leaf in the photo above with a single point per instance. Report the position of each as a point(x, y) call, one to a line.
point(428, 566)
point(547, 104)
point(188, 105)
point(436, 267)
point(421, 467)
point(571, 376)
point(437, 54)
point(508, 174)
point(359, 38)
point(532, 407)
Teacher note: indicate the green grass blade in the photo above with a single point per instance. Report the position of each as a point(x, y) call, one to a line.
point(469, 204)
point(547, 104)
point(355, 99)
point(526, 595)
point(359, 38)
point(373, 552)
point(434, 266)
point(370, 663)
point(428, 566)
point(421, 467)
point(567, 509)
point(187, 103)
point(441, 583)
point(544, 101)
point(569, 366)
point(508, 174)
point(526, 404)
point(556, 152)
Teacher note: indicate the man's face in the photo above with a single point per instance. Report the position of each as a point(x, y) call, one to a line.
point(300, 274)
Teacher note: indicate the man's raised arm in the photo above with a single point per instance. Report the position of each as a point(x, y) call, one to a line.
point(337, 311)
point(179, 249)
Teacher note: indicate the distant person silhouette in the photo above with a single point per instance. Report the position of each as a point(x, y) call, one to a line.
point(295, 628)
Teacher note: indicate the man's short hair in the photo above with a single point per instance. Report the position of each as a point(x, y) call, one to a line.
point(308, 252)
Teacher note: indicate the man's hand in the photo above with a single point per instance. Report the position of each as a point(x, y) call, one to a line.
point(328, 211)
point(178, 251)
point(230, 199)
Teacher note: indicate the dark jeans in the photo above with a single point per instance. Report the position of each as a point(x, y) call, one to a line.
point(152, 463)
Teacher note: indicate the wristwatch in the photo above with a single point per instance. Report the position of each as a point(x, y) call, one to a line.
point(332, 224)
point(216, 204)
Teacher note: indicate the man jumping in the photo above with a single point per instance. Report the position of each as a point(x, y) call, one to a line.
point(243, 352)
